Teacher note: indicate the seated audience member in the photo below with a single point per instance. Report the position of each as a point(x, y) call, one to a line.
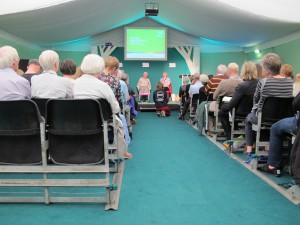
point(33, 68)
point(202, 93)
point(161, 99)
point(275, 85)
point(89, 86)
point(193, 90)
point(287, 71)
point(166, 81)
point(226, 87)
point(12, 86)
point(125, 98)
point(144, 87)
point(245, 88)
point(182, 89)
point(132, 103)
point(68, 68)
point(213, 82)
point(278, 129)
point(49, 84)
point(109, 76)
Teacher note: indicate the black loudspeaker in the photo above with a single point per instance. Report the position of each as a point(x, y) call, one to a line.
point(23, 64)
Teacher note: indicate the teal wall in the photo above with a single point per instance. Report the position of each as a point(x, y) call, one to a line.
point(210, 61)
point(24, 52)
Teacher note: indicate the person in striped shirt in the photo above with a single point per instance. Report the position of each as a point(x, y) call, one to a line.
point(213, 83)
point(274, 85)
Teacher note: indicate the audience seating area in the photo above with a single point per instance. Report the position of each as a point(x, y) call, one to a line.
point(69, 149)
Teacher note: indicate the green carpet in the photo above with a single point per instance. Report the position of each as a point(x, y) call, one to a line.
point(175, 177)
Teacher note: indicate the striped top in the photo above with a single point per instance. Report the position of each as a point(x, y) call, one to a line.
point(274, 87)
point(213, 83)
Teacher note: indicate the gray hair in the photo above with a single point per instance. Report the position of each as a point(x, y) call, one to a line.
point(222, 69)
point(48, 59)
point(92, 64)
point(7, 56)
point(271, 62)
point(233, 67)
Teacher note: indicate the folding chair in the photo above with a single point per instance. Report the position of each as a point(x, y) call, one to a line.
point(77, 136)
point(23, 149)
point(237, 118)
point(41, 104)
point(273, 110)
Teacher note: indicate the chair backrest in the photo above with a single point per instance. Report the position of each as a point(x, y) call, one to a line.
point(275, 109)
point(20, 137)
point(244, 106)
point(106, 109)
point(75, 131)
point(194, 100)
point(41, 104)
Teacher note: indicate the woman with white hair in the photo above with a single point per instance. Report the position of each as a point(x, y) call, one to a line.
point(89, 86)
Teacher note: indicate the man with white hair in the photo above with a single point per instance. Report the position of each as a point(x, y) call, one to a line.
point(12, 86)
point(49, 84)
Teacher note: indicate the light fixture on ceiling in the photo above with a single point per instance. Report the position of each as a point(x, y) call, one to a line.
point(257, 51)
point(151, 9)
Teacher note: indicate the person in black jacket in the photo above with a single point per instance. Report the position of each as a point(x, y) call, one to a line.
point(287, 125)
point(161, 99)
point(247, 87)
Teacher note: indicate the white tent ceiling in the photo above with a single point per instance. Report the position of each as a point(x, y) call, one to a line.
point(209, 20)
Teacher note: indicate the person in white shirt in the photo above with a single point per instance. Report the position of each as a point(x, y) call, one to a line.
point(49, 84)
point(89, 86)
point(12, 86)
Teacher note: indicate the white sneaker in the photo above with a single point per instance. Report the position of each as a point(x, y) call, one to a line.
point(163, 113)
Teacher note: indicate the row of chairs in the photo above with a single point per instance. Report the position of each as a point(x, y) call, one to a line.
point(71, 140)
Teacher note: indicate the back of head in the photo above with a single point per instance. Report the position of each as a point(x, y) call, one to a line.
point(271, 63)
point(124, 77)
point(34, 62)
point(49, 59)
point(92, 64)
point(185, 79)
point(159, 86)
point(111, 62)
point(249, 71)
point(8, 55)
point(204, 78)
point(68, 67)
point(233, 67)
point(287, 71)
point(196, 77)
point(222, 69)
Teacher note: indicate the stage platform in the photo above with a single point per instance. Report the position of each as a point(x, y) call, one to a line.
point(149, 106)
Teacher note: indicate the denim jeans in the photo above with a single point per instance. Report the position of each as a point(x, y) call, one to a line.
point(276, 139)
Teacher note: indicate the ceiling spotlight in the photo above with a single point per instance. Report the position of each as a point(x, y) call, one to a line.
point(257, 51)
point(151, 9)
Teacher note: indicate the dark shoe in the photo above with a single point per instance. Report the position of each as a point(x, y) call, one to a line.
point(180, 117)
point(276, 172)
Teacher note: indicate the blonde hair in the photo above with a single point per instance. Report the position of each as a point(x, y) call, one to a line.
point(287, 70)
point(233, 67)
point(249, 71)
point(112, 62)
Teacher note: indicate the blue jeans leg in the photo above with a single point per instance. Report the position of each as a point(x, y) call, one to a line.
point(276, 139)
